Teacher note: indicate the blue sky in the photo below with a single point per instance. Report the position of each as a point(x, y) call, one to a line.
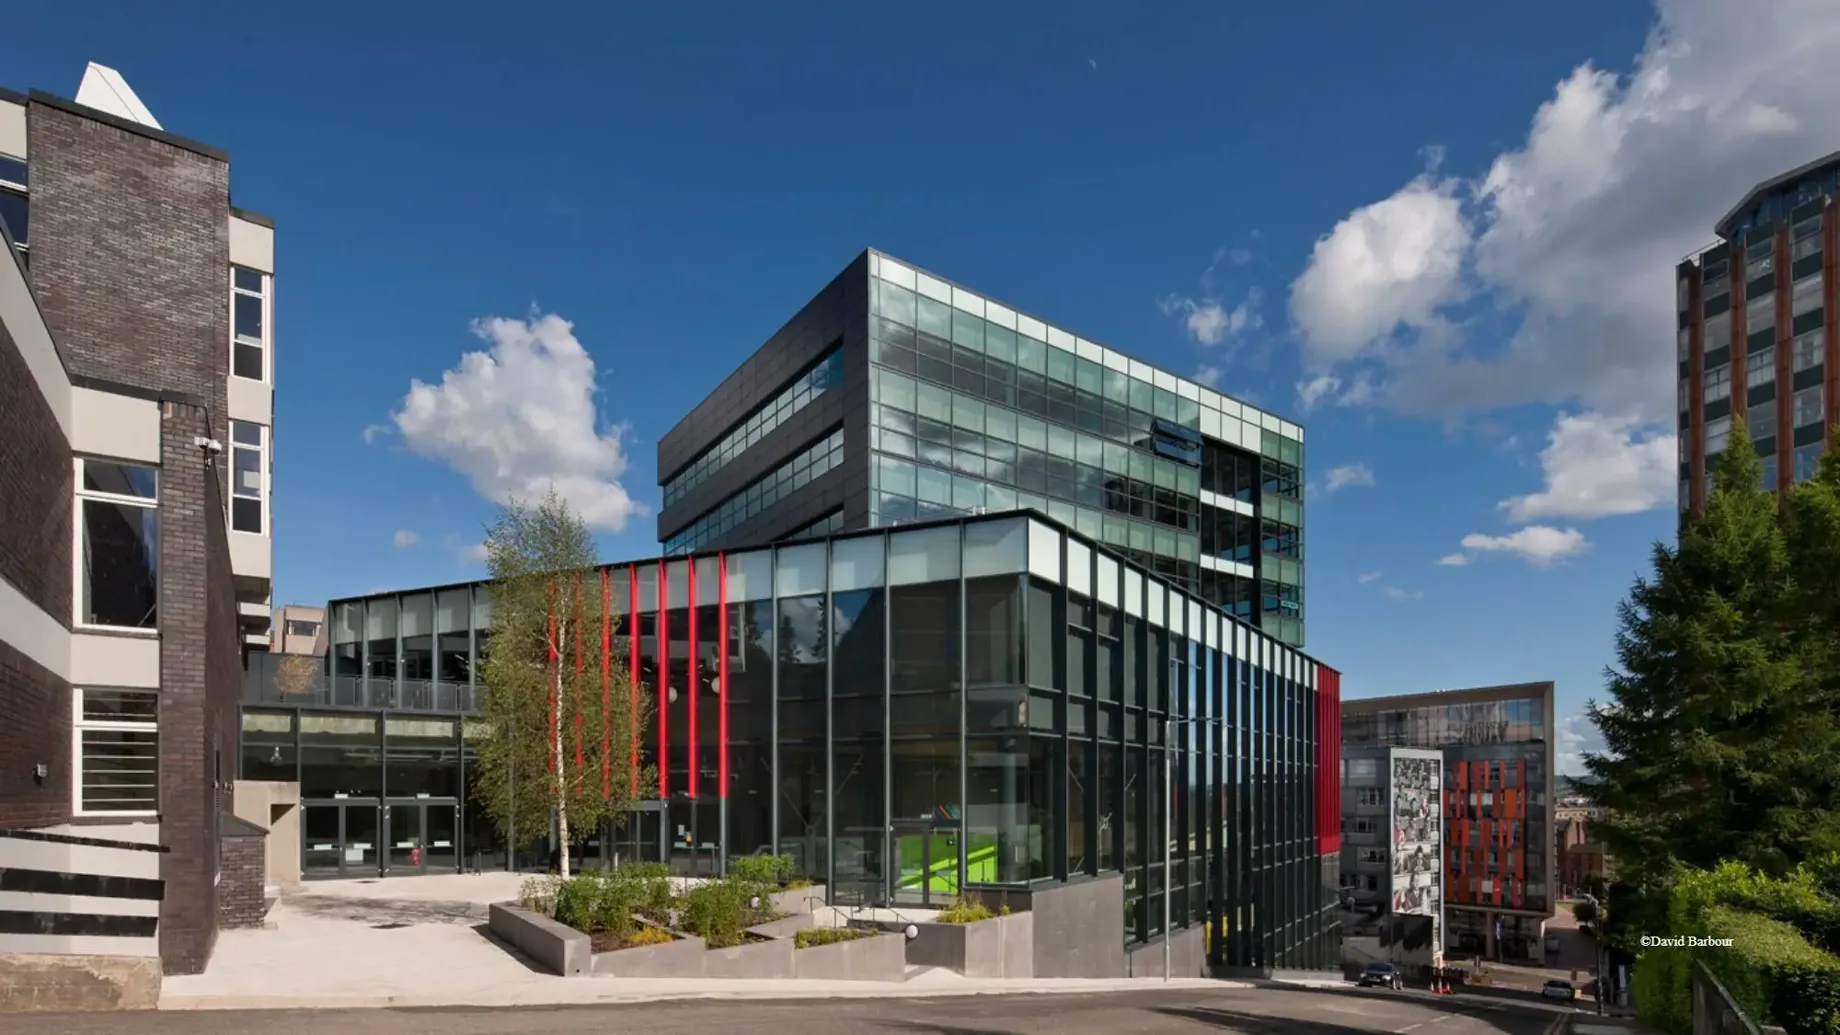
point(1431, 233)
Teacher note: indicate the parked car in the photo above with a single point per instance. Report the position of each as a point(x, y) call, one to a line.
point(1563, 991)
point(1380, 975)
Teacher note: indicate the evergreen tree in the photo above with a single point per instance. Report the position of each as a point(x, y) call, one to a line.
point(559, 741)
point(1706, 730)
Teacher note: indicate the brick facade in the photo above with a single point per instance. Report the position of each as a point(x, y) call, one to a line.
point(240, 901)
point(35, 545)
point(131, 264)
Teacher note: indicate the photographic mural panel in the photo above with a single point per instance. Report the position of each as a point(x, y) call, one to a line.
point(1417, 848)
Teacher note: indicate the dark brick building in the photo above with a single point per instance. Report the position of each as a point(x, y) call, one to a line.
point(136, 375)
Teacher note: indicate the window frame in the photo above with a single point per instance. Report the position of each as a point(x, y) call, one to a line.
point(266, 297)
point(1760, 367)
point(1722, 436)
point(1817, 392)
point(1808, 343)
point(1716, 383)
point(80, 496)
point(79, 725)
point(261, 450)
point(20, 189)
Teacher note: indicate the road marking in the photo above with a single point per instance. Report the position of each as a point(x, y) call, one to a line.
point(1409, 1027)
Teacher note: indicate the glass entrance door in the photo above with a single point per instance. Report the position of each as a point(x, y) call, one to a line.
point(340, 839)
point(925, 864)
point(405, 851)
point(422, 836)
point(441, 837)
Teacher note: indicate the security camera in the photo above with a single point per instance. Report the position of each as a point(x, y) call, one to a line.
point(209, 444)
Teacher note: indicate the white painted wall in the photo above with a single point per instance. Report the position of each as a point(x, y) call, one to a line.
point(252, 401)
point(251, 244)
point(114, 660)
point(116, 426)
point(12, 129)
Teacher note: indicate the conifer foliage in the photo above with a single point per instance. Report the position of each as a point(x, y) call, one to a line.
point(1721, 720)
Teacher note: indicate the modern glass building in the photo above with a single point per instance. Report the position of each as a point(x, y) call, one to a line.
point(1499, 857)
point(993, 703)
point(897, 396)
point(1757, 335)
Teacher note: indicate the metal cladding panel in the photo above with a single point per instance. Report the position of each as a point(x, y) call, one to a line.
point(1328, 760)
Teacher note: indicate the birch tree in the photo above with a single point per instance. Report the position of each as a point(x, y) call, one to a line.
point(558, 702)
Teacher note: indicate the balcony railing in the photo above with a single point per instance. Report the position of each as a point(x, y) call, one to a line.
point(303, 686)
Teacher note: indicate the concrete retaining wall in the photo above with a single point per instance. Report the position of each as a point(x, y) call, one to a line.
point(796, 901)
point(682, 958)
point(880, 957)
point(1187, 956)
point(1079, 929)
point(768, 959)
point(1001, 947)
point(785, 927)
point(558, 947)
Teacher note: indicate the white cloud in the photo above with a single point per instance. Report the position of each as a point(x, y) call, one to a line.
point(372, 432)
point(1402, 595)
point(1576, 735)
point(1597, 466)
point(1571, 236)
point(1210, 322)
point(1368, 576)
point(1390, 264)
point(1454, 560)
point(1239, 256)
point(465, 551)
point(519, 419)
point(1322, 387)
point(1538, 545)
point(1210, 374)
point(1348, 476)
point(404, 539)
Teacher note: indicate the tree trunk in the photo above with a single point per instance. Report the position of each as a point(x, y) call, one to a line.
point(562, 779)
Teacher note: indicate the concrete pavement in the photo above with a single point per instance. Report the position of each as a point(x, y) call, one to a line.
point(423, 943)
point(1178, 1011)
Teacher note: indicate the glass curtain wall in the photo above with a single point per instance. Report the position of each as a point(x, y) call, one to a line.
point(991, 703)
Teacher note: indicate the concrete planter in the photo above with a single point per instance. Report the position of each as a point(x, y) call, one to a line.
point(795, 901)
point(1001, 947)
point(879, 957)
point(557, 947)
point(766, 959)
point(682, 958)
point(784, 927)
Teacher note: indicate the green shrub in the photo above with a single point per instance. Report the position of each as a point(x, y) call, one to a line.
point(815, 936)
point(652, 895)
point(717, 912)
point(966, 909)
point(538, 894)
point(765, 870)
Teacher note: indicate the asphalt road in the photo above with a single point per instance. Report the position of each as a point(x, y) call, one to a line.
point(1248, 1011)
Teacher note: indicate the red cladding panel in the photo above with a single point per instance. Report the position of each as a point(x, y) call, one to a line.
point(579, 633)
point(606, 687)
point(664, 682)
point(694, 669)
point(632, 655)
point(722, 675)
point(1328, 760)
point(550, 751)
